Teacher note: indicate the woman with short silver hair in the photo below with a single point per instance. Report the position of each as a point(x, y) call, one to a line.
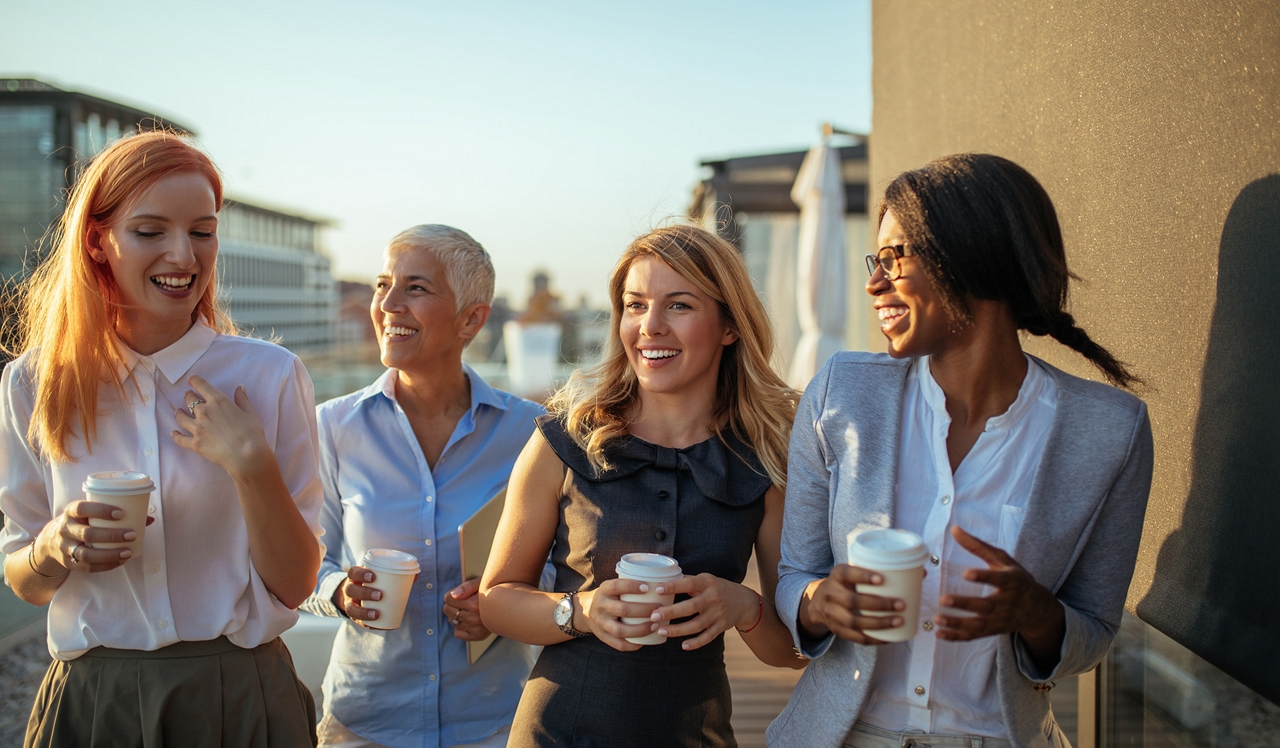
point(404, 462)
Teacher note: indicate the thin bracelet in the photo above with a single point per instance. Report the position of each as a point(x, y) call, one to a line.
point(31, 561)
point(759, 618)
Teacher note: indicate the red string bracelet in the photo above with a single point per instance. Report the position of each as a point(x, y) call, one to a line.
point(759, 618)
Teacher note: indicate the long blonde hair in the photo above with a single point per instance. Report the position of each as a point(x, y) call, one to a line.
point(70, 305)
point(752, 401)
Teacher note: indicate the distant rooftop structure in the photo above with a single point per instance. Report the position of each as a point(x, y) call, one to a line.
point(762, 184)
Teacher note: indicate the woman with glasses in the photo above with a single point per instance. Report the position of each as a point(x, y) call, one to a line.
point(1027, 485)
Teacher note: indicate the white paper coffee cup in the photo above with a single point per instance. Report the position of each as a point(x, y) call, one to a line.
point(899, 557)
point(651, 568)
point(128, 491)
point(393, 577)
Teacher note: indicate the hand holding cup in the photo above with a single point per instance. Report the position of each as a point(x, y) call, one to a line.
point(837, 605)
point(68, 540)
point(603, 608)
point(354, 591)
point(714, 606)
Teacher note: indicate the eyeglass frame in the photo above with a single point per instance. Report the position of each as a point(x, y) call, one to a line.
point(893, 271)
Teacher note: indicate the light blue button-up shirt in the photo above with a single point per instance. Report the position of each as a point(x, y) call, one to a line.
point(412, 686)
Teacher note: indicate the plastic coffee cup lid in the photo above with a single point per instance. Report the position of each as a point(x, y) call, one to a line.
point(118, 482)
point(886, 549)
point(648, 567)
point(392, 562)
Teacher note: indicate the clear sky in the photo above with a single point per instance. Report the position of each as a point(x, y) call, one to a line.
point(553, 132)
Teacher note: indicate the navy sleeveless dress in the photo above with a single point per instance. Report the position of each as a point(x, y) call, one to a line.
point(701, 505)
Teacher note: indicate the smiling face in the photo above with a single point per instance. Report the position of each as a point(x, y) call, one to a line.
point(162, 255)
point(913, 314)
point(672, 332)
point(415, 313)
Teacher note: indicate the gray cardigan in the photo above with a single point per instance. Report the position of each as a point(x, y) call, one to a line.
point(1079, 539)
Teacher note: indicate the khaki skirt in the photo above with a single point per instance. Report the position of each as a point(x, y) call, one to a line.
point(209, 693)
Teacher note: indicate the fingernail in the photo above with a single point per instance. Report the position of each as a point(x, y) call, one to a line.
point(661, 590)
point(373, 615)
point(117, 514)
point(644, 587)
point(685, 645)
point(130, 535)
point(376, 595)
point(655, 616)
point(663, 631)
point(877, 579)
point(654, 627)
point(899, 605)
point(126, 553)
point(455, 592)
point(368, 577)
point(897, 621)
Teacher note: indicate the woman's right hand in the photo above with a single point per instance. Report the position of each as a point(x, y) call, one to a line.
point(354, 589)
point(67, 539)
point(834, 605)
point(603, 609)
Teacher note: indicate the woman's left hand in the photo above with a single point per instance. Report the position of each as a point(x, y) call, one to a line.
point(1019, 604)
point(223, 430)
point(716, 605)
point(462, 608)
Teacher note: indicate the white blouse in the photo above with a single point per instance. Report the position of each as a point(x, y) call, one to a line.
point(927, 684)
point(194, 579)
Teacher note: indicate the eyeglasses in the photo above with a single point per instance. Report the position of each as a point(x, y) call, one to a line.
point(887, 260)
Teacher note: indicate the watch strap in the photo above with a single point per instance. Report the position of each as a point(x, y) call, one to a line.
point(567, 627)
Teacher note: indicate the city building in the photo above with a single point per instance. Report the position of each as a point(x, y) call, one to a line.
point(271, 265)
point(44, 132)
point(747, 200)
point(274, 276)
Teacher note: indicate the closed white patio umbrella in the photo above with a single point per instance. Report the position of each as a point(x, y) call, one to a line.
point(822, 273)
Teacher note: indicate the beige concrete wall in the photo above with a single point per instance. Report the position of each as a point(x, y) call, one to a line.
point(1148, 123)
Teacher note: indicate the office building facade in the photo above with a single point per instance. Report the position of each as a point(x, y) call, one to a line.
point(275, 276)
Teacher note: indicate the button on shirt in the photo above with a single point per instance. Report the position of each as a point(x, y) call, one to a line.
point(927, 684)
point(194, 579)
point(412, 686)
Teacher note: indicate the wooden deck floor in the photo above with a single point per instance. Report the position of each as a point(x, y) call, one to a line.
point(759, 691)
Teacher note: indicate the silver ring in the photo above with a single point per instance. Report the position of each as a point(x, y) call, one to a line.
point(191, 406)
point(457, 618)
point(74, 557)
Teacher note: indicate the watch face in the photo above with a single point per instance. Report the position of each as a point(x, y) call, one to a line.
point(564, 611)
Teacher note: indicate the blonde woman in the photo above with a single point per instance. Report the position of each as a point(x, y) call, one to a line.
point(128, 364)
point(675, 444)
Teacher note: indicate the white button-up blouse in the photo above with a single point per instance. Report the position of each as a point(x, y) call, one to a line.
point(194, 579)
point(927, 684)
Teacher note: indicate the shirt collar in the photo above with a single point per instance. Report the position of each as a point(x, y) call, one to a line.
point(1028, 393)
point(481, 392)
point(175, 360)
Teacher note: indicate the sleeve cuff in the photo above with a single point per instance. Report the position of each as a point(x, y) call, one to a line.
point(321, 601)
point(1026, 664)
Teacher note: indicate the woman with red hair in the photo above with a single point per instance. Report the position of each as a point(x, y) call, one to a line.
point(128, 364)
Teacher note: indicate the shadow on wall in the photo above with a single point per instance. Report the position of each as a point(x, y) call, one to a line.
point(1217, 582)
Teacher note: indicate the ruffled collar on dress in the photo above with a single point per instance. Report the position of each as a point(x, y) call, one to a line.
point(715, 465)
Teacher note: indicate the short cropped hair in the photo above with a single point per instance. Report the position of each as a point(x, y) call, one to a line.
point(467, 266)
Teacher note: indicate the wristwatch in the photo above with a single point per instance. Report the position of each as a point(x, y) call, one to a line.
point(564, 616)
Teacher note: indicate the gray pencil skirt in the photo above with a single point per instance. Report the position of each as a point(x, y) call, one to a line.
point(209, 693)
